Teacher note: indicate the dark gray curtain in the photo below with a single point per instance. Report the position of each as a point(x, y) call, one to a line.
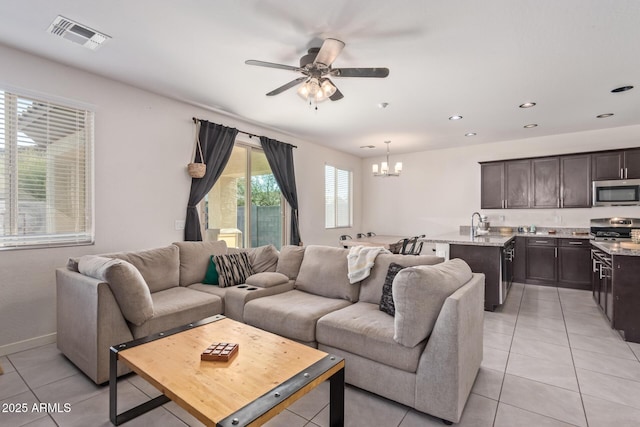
point(217, 142)
point(280, 158)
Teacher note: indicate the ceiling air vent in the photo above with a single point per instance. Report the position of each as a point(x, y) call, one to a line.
point(77, 33)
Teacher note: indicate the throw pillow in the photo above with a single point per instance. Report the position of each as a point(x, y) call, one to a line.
point(386, 302)
point(126, 283)
point(419, 293)
point(211, 278)
point(267, 279)
point(233, 269)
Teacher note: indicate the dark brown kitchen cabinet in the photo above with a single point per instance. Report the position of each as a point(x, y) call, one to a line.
point(542, 260)
point(619, 164)
point(492, 185)
point(545, 182)
point(574, 263)
point(575, 181)
point(520, 261)
point(625, 296)
point(517, 182)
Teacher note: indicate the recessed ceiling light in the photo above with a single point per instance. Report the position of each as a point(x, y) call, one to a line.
point(470, 134)
point(383, 105)
point(528, 105)
point(367, 146)
point(455, 117)
point(531, 125)
point(621, 89)
point(604, 116)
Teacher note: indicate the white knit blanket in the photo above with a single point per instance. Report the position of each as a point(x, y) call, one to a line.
point(360, 261)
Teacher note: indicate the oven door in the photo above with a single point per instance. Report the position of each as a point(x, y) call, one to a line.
point(616, 192)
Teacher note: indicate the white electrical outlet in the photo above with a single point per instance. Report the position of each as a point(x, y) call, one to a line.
point(558, 219)
point(179, 224)
point(501, 218)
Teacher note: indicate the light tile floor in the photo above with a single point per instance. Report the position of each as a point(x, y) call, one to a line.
point(550, 359)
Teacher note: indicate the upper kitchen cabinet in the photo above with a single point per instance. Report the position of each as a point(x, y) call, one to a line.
point(516, 187)
point(619, 164)
point(575, 181)
point(545, 182)
point(492, 185)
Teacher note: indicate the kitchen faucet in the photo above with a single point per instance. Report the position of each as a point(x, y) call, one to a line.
point(474, 229)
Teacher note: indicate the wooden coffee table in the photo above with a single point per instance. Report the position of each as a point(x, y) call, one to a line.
point(267, 374)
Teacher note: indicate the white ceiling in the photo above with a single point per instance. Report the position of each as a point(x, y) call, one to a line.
point(478, 59)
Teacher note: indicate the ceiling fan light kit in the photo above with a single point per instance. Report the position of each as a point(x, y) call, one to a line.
point(316, 67)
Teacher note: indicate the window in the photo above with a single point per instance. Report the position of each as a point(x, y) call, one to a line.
point(245, 215)
point(337, 194)
point(45, 173)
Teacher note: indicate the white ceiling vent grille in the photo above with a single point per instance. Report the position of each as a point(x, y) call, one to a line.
point(77, 33)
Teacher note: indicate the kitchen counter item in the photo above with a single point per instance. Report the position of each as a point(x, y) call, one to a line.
point(615, 248)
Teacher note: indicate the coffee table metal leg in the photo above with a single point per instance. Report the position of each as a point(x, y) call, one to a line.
point(336, 399)
point(117, 419)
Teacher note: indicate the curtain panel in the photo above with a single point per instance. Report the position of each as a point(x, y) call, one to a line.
point(280, 158)
point(217, 142)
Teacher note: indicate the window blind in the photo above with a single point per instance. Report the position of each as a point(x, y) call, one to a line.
point(337, 197)
point(45, 173)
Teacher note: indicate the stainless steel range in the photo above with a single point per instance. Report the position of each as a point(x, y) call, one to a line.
point(613, 229)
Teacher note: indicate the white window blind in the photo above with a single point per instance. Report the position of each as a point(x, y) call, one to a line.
point(45, 173)
point(337, 190)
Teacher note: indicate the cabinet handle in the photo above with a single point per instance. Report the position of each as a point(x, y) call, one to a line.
point(626, 173)
point(542, 241)
point(506, 204)
point(556, 252)
point(558, 202)
point(575, 243)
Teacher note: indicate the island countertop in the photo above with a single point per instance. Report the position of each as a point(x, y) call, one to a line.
point(463, 237)
point(614, 248)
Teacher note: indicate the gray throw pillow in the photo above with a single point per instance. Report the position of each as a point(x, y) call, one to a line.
point(290, 260)
point(233, 269)
point(126, 283)
point(264, 258)
point(419, 293)
point(386, 302)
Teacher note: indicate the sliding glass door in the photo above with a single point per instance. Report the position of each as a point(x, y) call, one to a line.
point(245, 206)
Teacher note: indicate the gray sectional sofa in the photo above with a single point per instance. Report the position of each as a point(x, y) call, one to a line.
point(426, 356)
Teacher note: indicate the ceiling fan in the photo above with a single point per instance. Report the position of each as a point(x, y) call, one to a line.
point(316, 69)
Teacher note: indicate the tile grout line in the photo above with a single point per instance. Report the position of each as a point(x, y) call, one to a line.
point(495, 416)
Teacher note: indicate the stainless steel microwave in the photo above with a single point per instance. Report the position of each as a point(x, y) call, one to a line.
point(616, 192)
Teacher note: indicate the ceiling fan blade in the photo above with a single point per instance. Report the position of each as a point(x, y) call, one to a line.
point(360, 72)
point(289, 85)
point(329, 51)
point(271, 65)
point(337, 95)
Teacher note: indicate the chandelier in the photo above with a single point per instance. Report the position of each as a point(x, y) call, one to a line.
point(384, 166)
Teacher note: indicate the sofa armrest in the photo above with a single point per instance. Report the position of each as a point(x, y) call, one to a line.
point(89, 321)
point(236, 297)
point(452, 357)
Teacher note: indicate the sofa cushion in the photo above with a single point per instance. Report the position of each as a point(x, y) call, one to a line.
point(263, 258)
point(160, 267)
point(126, 283)
point(233, 269)
point(419, 293)
point(289, 260)
point(371, 287)
point(324, 272)
point(292, 314)
point(364, 330)
point(195, 258)
point(386, 302)
point(267, 279)
point(175, 307)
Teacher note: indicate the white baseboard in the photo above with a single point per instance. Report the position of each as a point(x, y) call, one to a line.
point(27, 344)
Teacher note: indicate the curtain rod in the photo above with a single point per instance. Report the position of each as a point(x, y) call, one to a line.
point(251, 135)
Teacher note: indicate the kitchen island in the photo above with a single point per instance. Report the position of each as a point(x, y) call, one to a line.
point(616, 285)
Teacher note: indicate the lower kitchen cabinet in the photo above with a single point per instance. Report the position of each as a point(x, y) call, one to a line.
point(574, 263)
point(553, 262)
point(542, 255)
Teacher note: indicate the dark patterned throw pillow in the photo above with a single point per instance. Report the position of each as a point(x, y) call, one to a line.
point(386, 302)
point(233, 269)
